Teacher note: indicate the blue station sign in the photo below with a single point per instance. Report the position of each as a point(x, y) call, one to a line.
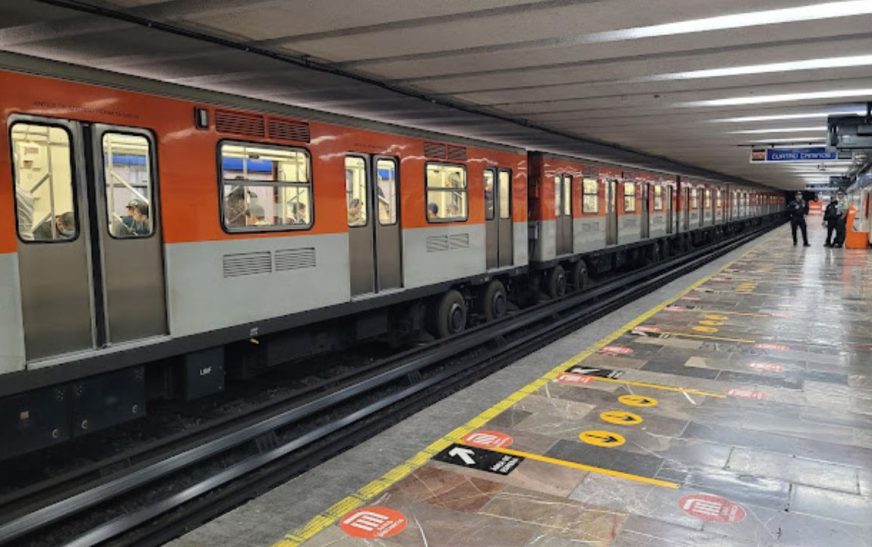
point(807, 153)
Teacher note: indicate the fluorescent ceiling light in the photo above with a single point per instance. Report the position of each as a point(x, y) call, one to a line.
point(778, 130)
point(812, 12)
point(792, 66)
point(777, 117)
point(798, 140)
point(784, 97)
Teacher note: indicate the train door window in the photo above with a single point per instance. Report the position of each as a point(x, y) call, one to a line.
point(629, 197)
point(658, 197)
point(128, 179)
point(265, 187)
point(44, 194)
point(446, 193)
point(694, 199)
point(355, 191)
point(567, 195)
point(386, 191)
point(505, 193)
point(708, 199)
point(590, 196)
point(719, 204)
point(558, 180)
point(489, 207)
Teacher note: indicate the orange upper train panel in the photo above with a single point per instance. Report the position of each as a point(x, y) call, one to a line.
point(188, 167)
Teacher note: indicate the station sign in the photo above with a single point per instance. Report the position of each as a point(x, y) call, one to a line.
point(790, 155)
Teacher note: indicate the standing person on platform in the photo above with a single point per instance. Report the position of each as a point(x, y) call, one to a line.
point(842, 219)
point(831, 221)
point(797, 209)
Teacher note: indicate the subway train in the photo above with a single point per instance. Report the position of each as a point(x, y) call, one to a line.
point(158, 241)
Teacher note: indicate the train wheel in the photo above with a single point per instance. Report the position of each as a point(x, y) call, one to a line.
point(494, 303)
point(578, 275)
point(449, 316)
point(555, 283)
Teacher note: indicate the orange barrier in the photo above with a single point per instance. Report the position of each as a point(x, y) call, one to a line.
point(815, 207)
point(853, 238)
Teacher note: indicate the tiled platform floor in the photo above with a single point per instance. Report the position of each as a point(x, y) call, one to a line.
point(748, 422)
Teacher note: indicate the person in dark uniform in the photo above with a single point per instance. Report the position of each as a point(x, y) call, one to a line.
point(797, 209)
point(831, 220)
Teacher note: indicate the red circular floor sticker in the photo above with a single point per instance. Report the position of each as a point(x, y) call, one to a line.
point(484, 438)
point(712, 508)
point(373, 522)
point(617, 350)
point(746, 393)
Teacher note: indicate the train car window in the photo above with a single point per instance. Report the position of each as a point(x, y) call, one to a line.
point(694, 199)
point(44, 195)
point(489, 207)
point(629, 197)
point(265, 187)
point(128, 179)
point(446, 192)
point(658, 198)
point(355, 191)
point(386, 190)
point(708, 199)
point(505, 193)
point(589, 196)
point(719, 200)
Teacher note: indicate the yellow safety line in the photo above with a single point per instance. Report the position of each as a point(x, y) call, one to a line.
point(584, 467)
point(710, 337)
point(660, 386)
point(369, 491)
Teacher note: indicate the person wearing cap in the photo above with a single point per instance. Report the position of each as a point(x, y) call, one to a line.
point(797, 209)
point(831, 221)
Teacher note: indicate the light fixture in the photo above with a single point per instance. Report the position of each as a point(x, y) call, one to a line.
point(777, 130)
point(812, 12)
point(791, 66)
point(783, 97)
point(797, 140)
point(803, 116)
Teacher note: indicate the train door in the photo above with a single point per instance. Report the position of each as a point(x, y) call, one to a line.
point(563, 213)
point(498, 217)
point(611, 212)
point(645, 217)
point(371, 190)
point(669, 206)
point(90, 246)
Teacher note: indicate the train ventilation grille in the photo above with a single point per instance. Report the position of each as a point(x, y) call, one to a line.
point(289, 130)
point(456, 153)
point(452, 242)
point(435, 150)
point(295, 259)
point(239, 123)
point(238, 265)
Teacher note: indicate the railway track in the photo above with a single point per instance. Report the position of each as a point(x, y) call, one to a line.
point(180, 482)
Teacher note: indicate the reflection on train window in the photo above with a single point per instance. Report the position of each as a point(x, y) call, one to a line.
point(489, 208)
point(629, 197)
point(386, 190)
point(355, 191)
point(505, 193)
point(446, 192)
point(708, 199)
point(694, 199)
point(658, 197)
point(265, 187)
point(590, 196)
point(719, 199)
point(128, 180)
point(44, 195)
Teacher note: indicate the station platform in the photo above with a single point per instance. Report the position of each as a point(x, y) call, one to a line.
point(731, 407)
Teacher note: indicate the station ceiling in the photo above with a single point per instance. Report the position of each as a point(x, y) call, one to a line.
point(679, 85)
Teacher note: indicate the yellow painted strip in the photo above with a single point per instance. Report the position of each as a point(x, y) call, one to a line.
point(590, 468)
point(343, 506)
point(660, 386)
point(320, 522)
point(709, 337)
